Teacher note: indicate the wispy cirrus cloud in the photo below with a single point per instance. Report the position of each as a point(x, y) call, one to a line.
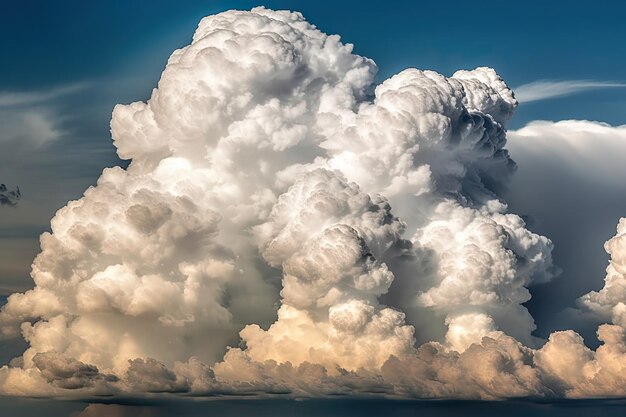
point(29, 98)
point(31, 117)
point(547, 89)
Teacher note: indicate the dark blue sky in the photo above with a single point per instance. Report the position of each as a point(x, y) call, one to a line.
point(50, 43)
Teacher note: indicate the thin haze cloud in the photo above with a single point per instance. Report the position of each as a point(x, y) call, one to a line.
point(29, 98)
point(547, 89)
point(31, 117)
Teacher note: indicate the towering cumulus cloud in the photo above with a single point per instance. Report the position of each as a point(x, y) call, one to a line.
point(349, 238)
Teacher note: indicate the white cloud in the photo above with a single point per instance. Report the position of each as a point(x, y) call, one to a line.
point(571, 144)
point(570, 181)
point(547, 89)
point(30, 118)
point(29, 98)
point(35, 127)
point(261, 157)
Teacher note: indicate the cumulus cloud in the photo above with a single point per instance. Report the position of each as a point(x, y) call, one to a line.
point(67, 373)
point(609, 303)
point(569, 365)
point(547, 89)
point(349, 238)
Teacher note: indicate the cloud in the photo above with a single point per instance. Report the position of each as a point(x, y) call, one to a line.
point(152, 376)
point(29, 127)
point(570, 143)
point(272, 203)
point(67, 373)
point(9, 197)
point(547, 89)
point(29, 117)
point(608, 303)
point(567, 363)
point(569, 183)
point(29, 98)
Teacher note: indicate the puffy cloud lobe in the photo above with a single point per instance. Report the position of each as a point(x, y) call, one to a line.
point(398, 143)
point(328, 235)
point(577, 370)
point(486, 259)
point(150, 375)
point(492, 368)
point(260, 157)
point(435, 146)
point(570, 367)
point(68, 373)
point(609, 302)
point(150, 256)
point(464, 330)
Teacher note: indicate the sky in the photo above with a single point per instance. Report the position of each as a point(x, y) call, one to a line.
point(71, 63)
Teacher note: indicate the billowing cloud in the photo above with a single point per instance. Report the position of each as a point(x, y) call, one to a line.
point(547, 89)
point(348, 238)
point(610, 302)
point(566, 362)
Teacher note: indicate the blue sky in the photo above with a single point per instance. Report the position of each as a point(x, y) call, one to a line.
point(68, 63)
point(127, 43)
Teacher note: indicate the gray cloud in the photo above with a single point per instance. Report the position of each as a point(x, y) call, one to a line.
point(150, 375)
point(68, 373)
point(9, 197)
